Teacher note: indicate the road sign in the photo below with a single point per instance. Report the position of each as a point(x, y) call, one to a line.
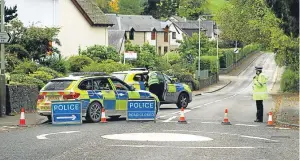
point(5, 38)
point(66, 112)
point(130, 55)
point(141, 110)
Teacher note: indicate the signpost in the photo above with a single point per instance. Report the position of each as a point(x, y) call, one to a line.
point(130, 55)
point(66, 112)
point(141, 110)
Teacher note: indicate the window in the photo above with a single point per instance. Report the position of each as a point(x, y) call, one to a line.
point(166, 35)
point(140, 77)
point(131, 34)
point(165, 49)
point(159, 50)
point(173, 35)
point(86, 85)
point(120, 85)
point(153, 35)
point(101, 84)
point(167, 79)
point(58, 85)
point(120, 76)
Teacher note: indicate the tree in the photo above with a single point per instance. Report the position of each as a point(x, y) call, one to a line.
point(114, 5)
point(36, 41)
point(167, 8)
point(288, 11)
point(10, 13)
point(78, 62)
point(17, 29)
point(131, 7)
point(191, 9)
point(103, 5)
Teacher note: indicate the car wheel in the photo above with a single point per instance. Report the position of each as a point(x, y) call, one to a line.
point(94, 112)
point(182, 100)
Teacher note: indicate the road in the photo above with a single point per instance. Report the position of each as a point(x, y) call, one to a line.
point(203, 137)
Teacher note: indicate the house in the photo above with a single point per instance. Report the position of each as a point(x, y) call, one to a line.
point(81, 22)
point(116, 39)
point(140, 29)
point(180, 26)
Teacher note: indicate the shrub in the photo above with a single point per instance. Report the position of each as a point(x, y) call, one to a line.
point(11, 62)
point(76, 63)
point(50, 71)
point(107, 66)
point(26, 67)
point(41, 75)
point(59, 65)
point(289, 81)
point(208, 63)
point(101, 53)
point(172, 58)
point(25, 79)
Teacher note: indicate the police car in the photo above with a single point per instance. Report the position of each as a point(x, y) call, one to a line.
point(174, 92)
point(95, 92)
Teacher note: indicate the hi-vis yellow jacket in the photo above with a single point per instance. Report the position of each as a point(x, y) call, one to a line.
point(260, 91)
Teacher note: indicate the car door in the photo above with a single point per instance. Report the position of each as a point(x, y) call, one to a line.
point(121, 92)
point(171, 93)
point(103, 88)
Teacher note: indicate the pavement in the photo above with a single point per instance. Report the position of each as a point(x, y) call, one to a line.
point(203, 137)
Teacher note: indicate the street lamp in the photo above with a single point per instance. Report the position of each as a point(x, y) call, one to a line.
point(199, 48)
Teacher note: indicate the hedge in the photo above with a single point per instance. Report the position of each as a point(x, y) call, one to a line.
point(208, 63)
point(290, 81)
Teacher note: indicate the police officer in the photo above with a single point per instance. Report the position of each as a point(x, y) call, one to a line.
point(259, 92)
point(155, 83)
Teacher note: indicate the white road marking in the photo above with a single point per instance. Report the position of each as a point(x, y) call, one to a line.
point(43, 136)
point(246, 125)
point(169, 119)
point(253, 137)
point(210, 122)
point(4, 126)
point(12, 127)
point(190, 147)
point(156, 137)
point(244, 136)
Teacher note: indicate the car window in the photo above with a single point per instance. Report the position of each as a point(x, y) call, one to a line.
point(58, 85)
point(140, 77)
point(86, 85)
point(120, 85)
point(120, 76)
point(167, 79)
point(102, 84)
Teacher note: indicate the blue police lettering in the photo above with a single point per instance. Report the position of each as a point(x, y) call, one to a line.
point(66, 107)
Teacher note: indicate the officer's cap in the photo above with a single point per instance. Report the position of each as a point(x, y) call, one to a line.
point(258, 68)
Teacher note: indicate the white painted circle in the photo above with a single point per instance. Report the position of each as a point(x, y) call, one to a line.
point(156, 137)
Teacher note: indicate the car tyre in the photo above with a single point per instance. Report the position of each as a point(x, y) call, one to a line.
point(49, 118)
point(182, 100)
point(94, 112)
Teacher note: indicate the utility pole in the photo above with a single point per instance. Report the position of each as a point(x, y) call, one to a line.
point(2, 71)
point(217, 50)
point(199, 47)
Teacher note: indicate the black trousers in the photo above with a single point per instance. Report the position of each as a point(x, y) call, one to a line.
point(157, 89)
point(260, 110)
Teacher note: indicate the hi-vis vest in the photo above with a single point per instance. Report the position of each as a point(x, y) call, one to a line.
point(260, 91)
point(153, 79)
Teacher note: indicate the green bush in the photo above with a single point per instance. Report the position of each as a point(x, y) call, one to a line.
point(41, 75)
point(100, 53)
point(11, 62)
point(59, 65)
point(26, 67)
point(50, 71)
point(208, 63)
point(76, 63)
point(172, 58)
point(107, 66)
point(17, 49)
point(25, 79)
point(290, 81)
point(226, 58)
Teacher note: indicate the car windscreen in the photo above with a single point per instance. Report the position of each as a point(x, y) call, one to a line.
point(121, 76)
point(58, 85)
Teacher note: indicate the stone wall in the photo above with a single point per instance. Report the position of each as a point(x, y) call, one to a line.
point(209, 81)
point(18, 96)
